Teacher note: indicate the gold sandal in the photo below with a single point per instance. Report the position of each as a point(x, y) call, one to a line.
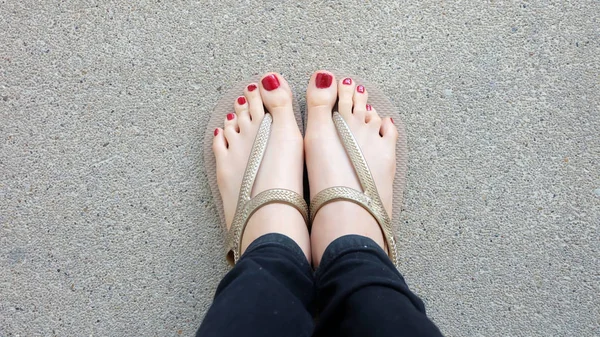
point(246, 205)
point(368, 198)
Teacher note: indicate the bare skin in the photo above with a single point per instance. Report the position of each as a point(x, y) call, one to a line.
point(328, 165)
point(282, 165)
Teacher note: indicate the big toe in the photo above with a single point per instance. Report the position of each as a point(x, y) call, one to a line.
point(277, 97)
point(321, 96)
point(321, 90)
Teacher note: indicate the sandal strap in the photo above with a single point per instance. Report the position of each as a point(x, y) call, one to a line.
point(246, 205)
point(337, 193)
point(255, 159)
point(369, 199)
point(283, 196)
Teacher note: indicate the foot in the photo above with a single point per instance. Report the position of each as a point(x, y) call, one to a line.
point(328, 164)
point(281, 167)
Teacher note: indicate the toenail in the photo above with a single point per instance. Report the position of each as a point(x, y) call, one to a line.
point(230, 116)
point(360, 89)
point(216, 132)
point(251, 87)
point(392, 120)
point(323, 80)
point(369, 107)
point(347, 81)
point(241, 100)
point(270, 82)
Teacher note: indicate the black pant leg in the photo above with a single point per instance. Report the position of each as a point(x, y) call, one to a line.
point(361, 293)
point(269, 292)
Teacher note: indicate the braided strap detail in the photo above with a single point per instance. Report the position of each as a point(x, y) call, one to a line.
point(283, 196)
point(334, 194)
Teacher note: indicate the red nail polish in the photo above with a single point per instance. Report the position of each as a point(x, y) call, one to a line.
point(323, 80)
point(252, 87)
point(369, 107)
point(230, 116)
point(392, 120)
point(360, 89)
point(270, 82)
point(347, 81)
point(216, 132)
point(241, 100)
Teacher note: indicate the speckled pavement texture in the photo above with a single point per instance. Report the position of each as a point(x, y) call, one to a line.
point(107, 226)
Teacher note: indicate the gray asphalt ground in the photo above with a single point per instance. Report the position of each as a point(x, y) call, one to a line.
point(107, 226)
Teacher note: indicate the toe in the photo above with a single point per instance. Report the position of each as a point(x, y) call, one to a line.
point(372, 117)
point(241, 111)
point(219, 144)
point(277, 97)
point(231, 122)
point(321, 90)
point(231, 128)
point(254, 101)
point(321, 95)
point(345, 95)
point(360, 102)
point(388, 130)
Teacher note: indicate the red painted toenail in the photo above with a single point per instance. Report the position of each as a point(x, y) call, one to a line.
point(369, 107)
point(360, 89)
point(392, 120)
point(270, 82)
point(216, 132)
point(230, 116)
point(347, 81)
point(323, 80)
point(252, 87)
point(241, 100)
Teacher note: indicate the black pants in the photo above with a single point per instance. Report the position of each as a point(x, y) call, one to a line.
point(356, 291)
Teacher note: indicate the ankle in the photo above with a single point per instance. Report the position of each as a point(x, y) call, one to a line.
point(277, 218)
point(342, 218)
